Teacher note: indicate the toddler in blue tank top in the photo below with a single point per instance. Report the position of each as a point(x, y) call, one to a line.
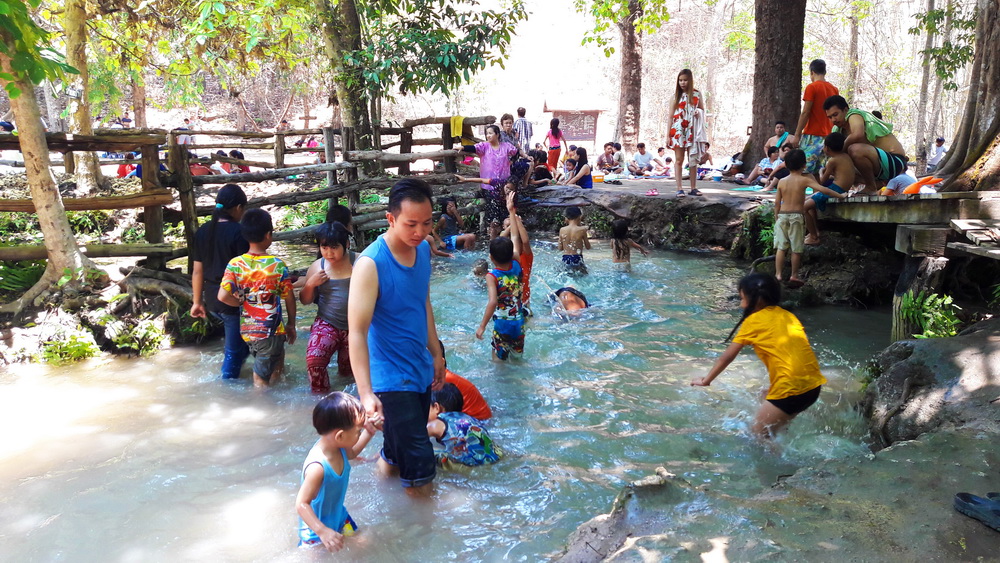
point(344, 431)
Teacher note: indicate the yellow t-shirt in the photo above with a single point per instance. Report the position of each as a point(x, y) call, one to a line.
point(780, 342)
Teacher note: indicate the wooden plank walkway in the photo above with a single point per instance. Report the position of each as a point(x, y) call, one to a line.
point(915, 209)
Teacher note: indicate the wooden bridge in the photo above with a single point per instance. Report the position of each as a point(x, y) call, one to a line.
point(930, 230)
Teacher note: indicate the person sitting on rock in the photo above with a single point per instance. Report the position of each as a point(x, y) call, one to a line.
point(764, 167)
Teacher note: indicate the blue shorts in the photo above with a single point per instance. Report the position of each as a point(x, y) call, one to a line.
point(821, 198)
point(449, 242)
point(574, 263)
point(812, 145)
point(508, 336)
point(405, 442)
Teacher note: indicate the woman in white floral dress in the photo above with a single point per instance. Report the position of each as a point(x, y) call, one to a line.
point(681, 134)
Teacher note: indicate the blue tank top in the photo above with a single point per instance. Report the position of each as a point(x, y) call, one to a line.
point(586, 181)
point(329, 502)
point(397, 338)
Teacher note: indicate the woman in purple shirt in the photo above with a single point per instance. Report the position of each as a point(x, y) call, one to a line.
point(494, 164)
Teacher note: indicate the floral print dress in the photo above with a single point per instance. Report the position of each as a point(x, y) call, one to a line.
point(681, 134)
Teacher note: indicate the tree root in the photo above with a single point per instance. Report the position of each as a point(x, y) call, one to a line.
point(909, 384)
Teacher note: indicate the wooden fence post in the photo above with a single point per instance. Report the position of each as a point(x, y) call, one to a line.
point(446, 141)
point(153, 214)
point(331, 156)
point(279, 150)
point(69, 163)
point(178, 159)
point(405, 146)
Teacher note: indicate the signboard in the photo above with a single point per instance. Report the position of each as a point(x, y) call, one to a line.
point(578, 126)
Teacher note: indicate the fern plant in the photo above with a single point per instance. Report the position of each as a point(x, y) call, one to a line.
point(18, 277)
point(934, 314)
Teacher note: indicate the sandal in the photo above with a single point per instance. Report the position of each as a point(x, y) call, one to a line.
point(695, 191)
point(653, 192)
point(680, 193)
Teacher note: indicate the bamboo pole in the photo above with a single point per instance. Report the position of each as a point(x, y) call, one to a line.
point(279, 150)
point(355, 156)
point(330, 155)
point(405, 146)
point(446, 120)
point(185, 191)
point(230, 146)
point(130, 201)
point(270, 174)
point(38, 252)
point(153, 213)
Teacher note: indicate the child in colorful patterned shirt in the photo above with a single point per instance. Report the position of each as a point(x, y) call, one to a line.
point(464, 439)
point(257, 282)
point(503, 283)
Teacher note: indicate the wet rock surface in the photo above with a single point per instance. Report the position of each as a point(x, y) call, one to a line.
point(922, 385)
point(895, 505)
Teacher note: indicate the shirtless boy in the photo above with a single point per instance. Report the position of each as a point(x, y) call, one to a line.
point(789, 221)
point(876, 152)
point(572, 240)
point(839, 170)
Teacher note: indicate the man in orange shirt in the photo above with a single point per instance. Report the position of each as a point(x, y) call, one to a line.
point(814, 126)
point(473, 403)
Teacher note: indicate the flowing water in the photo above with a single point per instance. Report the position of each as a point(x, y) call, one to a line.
point(157, 460)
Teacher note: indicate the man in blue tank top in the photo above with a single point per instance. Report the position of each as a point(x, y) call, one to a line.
point(395, 353)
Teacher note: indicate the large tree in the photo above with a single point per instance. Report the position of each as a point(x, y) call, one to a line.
point(88, 169)
point(26, 60)
point(777, 81)
point(973, 161)
point(632, 19)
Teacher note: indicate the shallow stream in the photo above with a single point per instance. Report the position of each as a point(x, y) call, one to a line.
point(157, 460)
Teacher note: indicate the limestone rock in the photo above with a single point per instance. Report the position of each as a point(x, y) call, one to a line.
point(921, 385)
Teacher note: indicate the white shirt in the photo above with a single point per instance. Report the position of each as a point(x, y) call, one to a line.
point(900, 183)
point(937, 153)
point(642, 160)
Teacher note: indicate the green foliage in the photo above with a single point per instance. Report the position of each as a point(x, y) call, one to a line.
point(18, 277)
point(65, 349)
point(304, 214)
point(135, 233)
point(194, 330)
point(18, 227)
point(870, 373)
point(29, 47)
point(933, 313)
point(954, 54)
point(417, 46)
point(995, 296)
point(90, 222)
point(370, 197)
point(141, 336)
point(740, 32)
point(608, 14)
point(765, 236)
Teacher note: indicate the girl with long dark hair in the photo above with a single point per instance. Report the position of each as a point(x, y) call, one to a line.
point(780, 342)
point(681, 134)
point(216, 243)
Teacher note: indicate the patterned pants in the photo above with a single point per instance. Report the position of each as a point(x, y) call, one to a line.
point(324, 340)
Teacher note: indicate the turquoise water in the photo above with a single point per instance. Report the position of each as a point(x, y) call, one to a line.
point(121, 460)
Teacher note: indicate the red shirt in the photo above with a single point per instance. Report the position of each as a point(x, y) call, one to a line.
point(817, 92)
point(474, 403)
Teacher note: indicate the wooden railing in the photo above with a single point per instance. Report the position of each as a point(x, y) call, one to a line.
point(155, 195)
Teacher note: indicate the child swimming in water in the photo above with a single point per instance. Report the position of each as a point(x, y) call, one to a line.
point(780, 342)
point(569, 301)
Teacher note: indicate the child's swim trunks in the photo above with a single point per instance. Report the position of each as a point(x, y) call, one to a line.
point(508, 336)
point(574, 263)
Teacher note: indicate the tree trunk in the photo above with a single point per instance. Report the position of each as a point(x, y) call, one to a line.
point(974, 157)
point(57, 235)
point(777, 81)
point(938, 82)
point(55, 122)
point(630, 91)
point(925, 83)
point(139, 101)
point(341, 27)
point(853, 60)
point(88, 171)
